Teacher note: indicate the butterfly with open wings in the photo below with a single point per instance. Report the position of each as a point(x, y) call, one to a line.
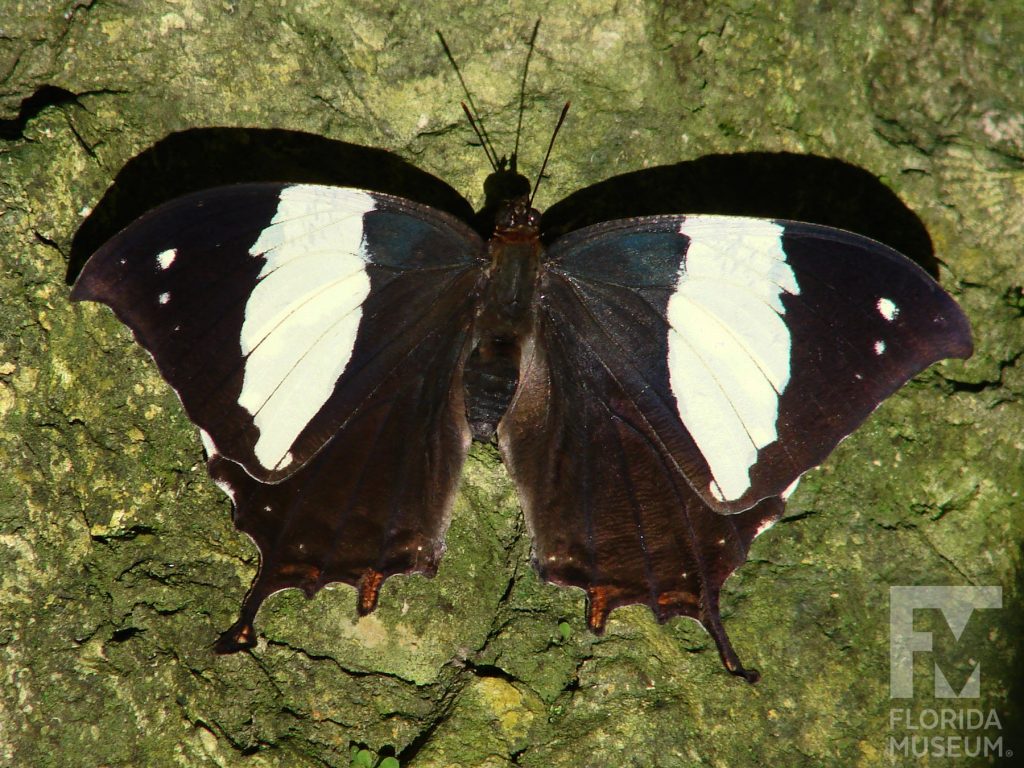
point(656, 385)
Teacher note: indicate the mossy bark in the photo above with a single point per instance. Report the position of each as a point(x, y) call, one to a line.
point(118, 560)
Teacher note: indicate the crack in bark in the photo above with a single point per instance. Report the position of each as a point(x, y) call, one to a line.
point(974, 387)
point(45, 96)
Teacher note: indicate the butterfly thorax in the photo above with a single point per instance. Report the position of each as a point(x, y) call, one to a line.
point(516, 220)
point(515, 250)
point(506, 315)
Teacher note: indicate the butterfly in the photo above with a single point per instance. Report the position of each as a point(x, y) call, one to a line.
point(656, 385)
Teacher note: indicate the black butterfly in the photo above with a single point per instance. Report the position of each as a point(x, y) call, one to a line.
point(656, 385)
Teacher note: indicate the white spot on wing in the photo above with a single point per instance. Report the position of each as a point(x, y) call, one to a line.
point(729, 346)
point(302, 317)
point(879, 347)
point(887, 308)
point(208, 446)
point(763, 527)
point(165, 258)
point(225, 486)
point(164, 298)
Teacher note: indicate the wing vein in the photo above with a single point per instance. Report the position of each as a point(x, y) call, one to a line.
point(627, 358)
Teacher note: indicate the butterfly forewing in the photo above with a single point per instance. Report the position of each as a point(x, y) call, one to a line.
point(865, 321)
point(751, 347)
point(276, 310)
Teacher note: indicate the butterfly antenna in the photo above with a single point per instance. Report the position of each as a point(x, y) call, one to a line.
point(477, 129)
point(471, 111)
point(522, 93)
point(551, 144)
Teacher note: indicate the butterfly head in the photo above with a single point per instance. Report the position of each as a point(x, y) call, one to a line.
point(516, 219)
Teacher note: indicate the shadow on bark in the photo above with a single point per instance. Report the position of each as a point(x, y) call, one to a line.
point(773, 185)
point(818, 190)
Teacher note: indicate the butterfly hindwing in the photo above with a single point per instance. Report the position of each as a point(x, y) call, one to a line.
point(316, 335)
point(375, 500)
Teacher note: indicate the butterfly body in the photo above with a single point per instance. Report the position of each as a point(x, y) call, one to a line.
point(656, 385)
point(505, 315)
